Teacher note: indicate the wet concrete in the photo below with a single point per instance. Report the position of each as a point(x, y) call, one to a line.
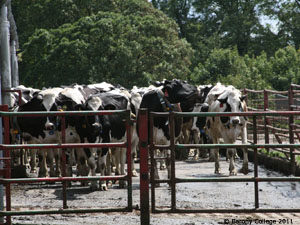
point(213, 195)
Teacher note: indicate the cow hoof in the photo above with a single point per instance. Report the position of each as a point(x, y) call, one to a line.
point(134, 174)
point(232, 173)
point(244, 170)
point(43, 174)
point(53, 174)
point(33, 171)
point(103, 188)
point(98, 169)
point(217, 172)
point(195, 157)
point(211, 159)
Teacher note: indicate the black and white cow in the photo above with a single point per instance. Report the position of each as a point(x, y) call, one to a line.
point(27, 93)
point(105, 129)
point(40, 130)
point(190, 135)
point(163, 99)
point(226, 99)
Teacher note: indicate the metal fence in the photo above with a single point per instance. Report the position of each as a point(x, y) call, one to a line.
point(174, 146)
point(277, 129)
point(7, 148)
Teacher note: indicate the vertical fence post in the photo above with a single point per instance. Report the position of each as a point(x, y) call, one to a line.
point(7, 165)
point(1, 168)
point(63, 166)
point(172, 148)
point(144, 170)
point(266, 121)
point(255, 163)
point(153, 168)
point(291, 133)
point(129, 159)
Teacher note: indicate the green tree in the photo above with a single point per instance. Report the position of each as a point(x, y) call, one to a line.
point(289, 25)
point(228, 67)
point(236, 22)
point(285, 68)
point(128, 42)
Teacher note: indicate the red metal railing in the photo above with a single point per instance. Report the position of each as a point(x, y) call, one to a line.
point(6, 147)
point(255, 179)
point(280, 128)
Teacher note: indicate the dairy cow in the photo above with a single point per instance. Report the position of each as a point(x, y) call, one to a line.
point(106, 128)
point(188, 134)
point(39, 130)
point(223, 98)
point(27, 93)
point(164, 99)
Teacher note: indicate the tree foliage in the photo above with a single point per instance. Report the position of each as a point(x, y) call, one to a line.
point(127, 42)
point(134, 41)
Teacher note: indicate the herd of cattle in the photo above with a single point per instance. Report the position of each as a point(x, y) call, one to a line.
point(165, 96)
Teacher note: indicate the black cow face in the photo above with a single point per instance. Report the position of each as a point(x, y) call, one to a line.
point(35, 126)
point(178, 91)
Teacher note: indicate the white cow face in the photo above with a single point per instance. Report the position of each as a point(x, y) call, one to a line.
point(231, 102)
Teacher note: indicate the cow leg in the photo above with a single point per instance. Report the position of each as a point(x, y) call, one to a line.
point(33, 153)
point(217, 163)
point(108, 167)
point(50, 158)
point(196, 140)
point(82, 167)
point(231, 154)
point(216, 156)
point(103, 165)
point(116, 159)
point(43, 171)
point(92, 164)
point(57, 158)
point(133, 154)
point(156, 175)
point(122, 152)
point(162, 154)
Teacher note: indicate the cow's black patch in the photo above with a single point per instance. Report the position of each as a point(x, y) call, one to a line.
point(225, 119)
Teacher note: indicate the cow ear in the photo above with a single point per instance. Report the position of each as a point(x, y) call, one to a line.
point(222, 100)
point(243, 98)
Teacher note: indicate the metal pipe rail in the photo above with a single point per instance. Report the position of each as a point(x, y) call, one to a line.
point(63, 114)
point(173, 180)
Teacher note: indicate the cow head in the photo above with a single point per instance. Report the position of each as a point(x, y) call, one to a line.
point(91, 126)
point(37, 126)
point(231, 101)
point(179, 91)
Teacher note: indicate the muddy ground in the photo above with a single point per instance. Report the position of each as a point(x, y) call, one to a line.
point(189, 195)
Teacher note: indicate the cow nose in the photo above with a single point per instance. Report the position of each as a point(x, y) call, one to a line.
point(235, 121)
